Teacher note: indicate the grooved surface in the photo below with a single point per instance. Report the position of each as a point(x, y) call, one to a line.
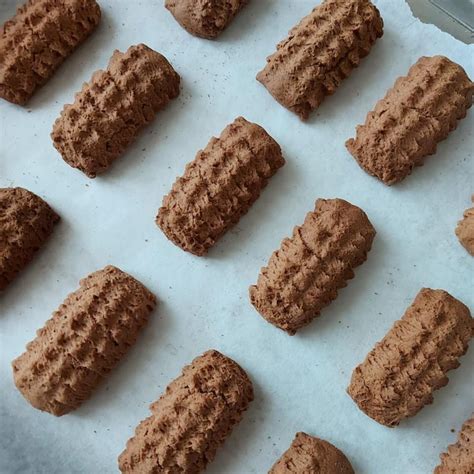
point(204, 18)
point(111, 110)
point(459, 459)
point(305, 274)
point(398, 377)
point(84, 339)
point(191, 419)
point(320, 52)
point(26, 222)
point(35, 42)
point(465, 230)
point(310, 455)
point(419, 111)
point(219, 186)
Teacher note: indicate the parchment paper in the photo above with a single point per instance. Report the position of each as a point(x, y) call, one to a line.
point(299, 381)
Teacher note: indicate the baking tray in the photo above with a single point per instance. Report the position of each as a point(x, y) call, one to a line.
point(299, 381)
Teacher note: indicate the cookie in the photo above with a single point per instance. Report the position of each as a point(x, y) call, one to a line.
point(36, 41)
point(398, 377)
point(459, 458)
point(419, 111)
point(465, 230)
point(219, 186)
point(83, 341)
point(320, 52)
point(311, 455)
point(305, 274)
point(111, 110)
point(205, 19)
point(191, 419)
point(26, 222)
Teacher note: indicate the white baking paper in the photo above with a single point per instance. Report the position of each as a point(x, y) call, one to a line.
point(299, 381)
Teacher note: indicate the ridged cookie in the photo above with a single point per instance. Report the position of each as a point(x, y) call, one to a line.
point(26, 222)
point(204, 18)
point(465, 230)
point(419, 111)
point(305, 274)
point(191, 419)
point(85, 339)
point(35, 42)
point(111, 110)
point(310, 455)
point(459, 458)
point(320, 52)
point(398, 377)
point(219, 186)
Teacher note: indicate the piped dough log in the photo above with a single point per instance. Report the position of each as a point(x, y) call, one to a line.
point(459, 458)
point(26, 222)
point(35, 42)
point(420, 110)
point(219, 186)
point(320, 52)
point(111, 110)
point(398, 377)
point(83, 341)
point(191, 419)
point(305, 274)
point(205, 19)
point(465, 230)
point(310, 455)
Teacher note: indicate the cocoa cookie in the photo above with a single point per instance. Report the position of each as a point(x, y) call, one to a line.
point(26, 222)
point(305, 274)
point(191, 419)
point(407, 124)
point(459, 458)
point(85, 339)
point(310, 455)
point(398, 377)
point(219, 186)
point(111, 110)
point(204, 18)
point(35, 42)
point(320, 52)
point(465, 230)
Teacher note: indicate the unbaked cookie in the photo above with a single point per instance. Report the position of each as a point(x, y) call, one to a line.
point(308, 270)
point(83, 341)
point(111, 110)
point(419, 111)
point(320, 52)
point(398, 377)
point(36, 41)
point(191, 419)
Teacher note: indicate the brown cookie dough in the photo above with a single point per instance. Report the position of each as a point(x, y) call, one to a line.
point(85, 339)
point(204, 18)
point(35, 42)
point(320, 52)
point(111, 110)
point(305, 274)
point(419, 111)
point(465, 230)
point(459, 459)
point(219, 186)
point(398, 377)
point(26, 222)
point(191, 419)
point(310, 455)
